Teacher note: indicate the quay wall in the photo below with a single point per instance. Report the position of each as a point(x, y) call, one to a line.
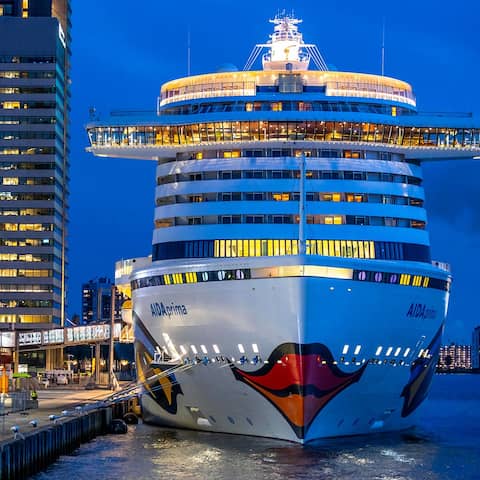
point(31, 452)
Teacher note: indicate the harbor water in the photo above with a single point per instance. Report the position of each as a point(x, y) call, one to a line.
point(445, 446)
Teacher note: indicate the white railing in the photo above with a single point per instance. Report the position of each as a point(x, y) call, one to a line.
point(442, 265)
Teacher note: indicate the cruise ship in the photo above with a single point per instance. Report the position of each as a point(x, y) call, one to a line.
point(291, 293)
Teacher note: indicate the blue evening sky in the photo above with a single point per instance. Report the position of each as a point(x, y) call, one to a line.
point(124, 50)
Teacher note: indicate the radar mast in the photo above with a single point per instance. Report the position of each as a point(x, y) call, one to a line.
point(286, 48)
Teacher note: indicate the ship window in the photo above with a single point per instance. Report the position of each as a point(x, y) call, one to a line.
point(194, 349)
point(407, 351)
point(416, 202)
point(256, 196)
point(254, 174)
point(204, 349)
point(389, 351)
point(331, 197)
point(231, 154)
point(345, 349)
point(281, 197)
point(357, 351)
point(254, 219)
point(241, 349)
point(397, 352)
point(378, 351)
point(417, 224)
point(215, 348)
point(352, 154)
point(333, 220)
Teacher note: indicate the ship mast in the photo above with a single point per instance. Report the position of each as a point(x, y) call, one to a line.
point(286, 48)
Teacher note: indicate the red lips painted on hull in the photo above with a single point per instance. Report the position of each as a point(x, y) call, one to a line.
point(299, 380)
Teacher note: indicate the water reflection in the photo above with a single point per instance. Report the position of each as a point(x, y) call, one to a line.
point(445, 447)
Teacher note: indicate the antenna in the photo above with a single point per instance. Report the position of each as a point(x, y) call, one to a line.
point(189, 53)
point(383, 48)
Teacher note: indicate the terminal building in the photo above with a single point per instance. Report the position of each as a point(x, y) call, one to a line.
point(123, 270)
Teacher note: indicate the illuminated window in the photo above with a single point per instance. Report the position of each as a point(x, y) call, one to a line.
point(10, 105)
point(379, 351)
point(351, 154)
point(8, 272)
point(281, 197)
point(331, 197)
point(25, 8)
point(389, 351)
point(277, 106)
point(345, 349)
point(333, 220)
point(10, 180)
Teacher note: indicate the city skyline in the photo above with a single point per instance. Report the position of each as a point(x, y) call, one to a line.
point(112, 200)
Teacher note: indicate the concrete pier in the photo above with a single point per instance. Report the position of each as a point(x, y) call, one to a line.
point(64, 420)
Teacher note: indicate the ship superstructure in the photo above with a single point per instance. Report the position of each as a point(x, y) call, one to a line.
point(292, 293)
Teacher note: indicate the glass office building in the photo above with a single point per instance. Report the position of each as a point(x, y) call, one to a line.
point(34, 163)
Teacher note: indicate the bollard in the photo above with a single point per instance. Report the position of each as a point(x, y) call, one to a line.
point(22, 458)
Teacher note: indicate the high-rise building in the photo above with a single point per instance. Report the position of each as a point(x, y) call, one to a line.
point(97, 301)
point(476, 348)
point(454, 358)
point(34, 99)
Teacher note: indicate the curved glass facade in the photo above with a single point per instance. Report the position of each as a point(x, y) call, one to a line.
point(255, 131)
point(279, 247)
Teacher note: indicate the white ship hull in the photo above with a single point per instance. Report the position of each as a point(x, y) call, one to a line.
point(269, 356)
